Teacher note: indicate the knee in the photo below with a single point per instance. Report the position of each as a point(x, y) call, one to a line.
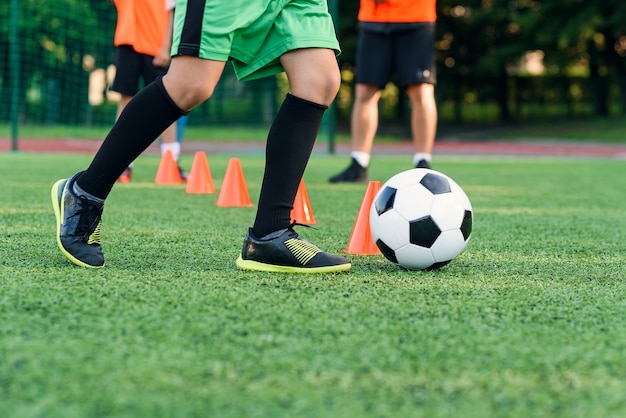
point(421, 94)
point(366, 93)
point(333, 83)
point(197, 93)
point(189, 93)
point(319, 87)
point(328, 86)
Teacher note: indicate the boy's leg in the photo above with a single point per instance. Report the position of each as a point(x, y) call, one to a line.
point(272, 244)
point(289, 145)
point(142, 121)
point(78, 201)
point(314, 81)
point(189, 82)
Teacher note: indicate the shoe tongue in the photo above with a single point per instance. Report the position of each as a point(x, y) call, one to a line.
point(274, 234)
point(90, 202)
point(78, 191)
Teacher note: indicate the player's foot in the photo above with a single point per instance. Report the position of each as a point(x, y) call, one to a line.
point(126, 175)
point(285, 251)
point(355, 173)
point(78, 224)
point(422, 164)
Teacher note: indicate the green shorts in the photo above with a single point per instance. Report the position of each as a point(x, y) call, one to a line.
point(253, 34)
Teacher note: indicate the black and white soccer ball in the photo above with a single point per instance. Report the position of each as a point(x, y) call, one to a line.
point(421, 219)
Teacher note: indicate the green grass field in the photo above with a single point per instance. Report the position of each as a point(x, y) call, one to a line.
point(530, 321)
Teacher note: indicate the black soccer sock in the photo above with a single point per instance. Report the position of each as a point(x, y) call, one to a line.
point(145, 117)
point(289, 145)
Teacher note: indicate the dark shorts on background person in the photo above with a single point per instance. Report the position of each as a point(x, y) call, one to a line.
point(133, 70)
point(406, 50)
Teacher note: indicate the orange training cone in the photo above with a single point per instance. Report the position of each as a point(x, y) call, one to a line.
point(200, 180)
point(168, 172)
point(234, 191)
point(302, 212)
point(361, 241)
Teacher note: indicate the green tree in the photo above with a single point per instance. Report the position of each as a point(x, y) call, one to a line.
point(591, 34)
point(53, 40)
point(479, 41)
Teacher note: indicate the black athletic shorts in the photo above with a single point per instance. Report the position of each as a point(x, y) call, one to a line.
point(404, 49)
point(132, 67)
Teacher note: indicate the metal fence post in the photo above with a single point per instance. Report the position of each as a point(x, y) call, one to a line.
point(330, 116)
point(15, 73)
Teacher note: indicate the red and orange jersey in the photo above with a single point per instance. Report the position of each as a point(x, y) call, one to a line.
point(398, 11)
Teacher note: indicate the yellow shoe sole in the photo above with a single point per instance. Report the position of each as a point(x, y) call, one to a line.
point(256, 266)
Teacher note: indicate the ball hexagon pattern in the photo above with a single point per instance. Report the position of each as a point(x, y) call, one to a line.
point(421, 219)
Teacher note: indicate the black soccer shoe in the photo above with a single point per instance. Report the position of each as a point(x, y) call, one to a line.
point(78, 224)
point(285, 252)
point(355, 173)
point(422, 164)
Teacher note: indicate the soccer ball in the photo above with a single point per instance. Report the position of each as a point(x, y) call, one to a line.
point(421, 219)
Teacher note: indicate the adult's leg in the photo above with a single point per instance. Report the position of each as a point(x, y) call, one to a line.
point(373, 70)
point(364, 117)
point(363, 126)
point(415, 63)
point(423, 118)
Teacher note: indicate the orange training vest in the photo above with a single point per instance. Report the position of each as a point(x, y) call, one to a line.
point(141, 24)
point(398, 11)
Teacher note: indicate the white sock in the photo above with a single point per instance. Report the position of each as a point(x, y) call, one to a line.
point(173, 147)
point(363, 158)
point(419, 156)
